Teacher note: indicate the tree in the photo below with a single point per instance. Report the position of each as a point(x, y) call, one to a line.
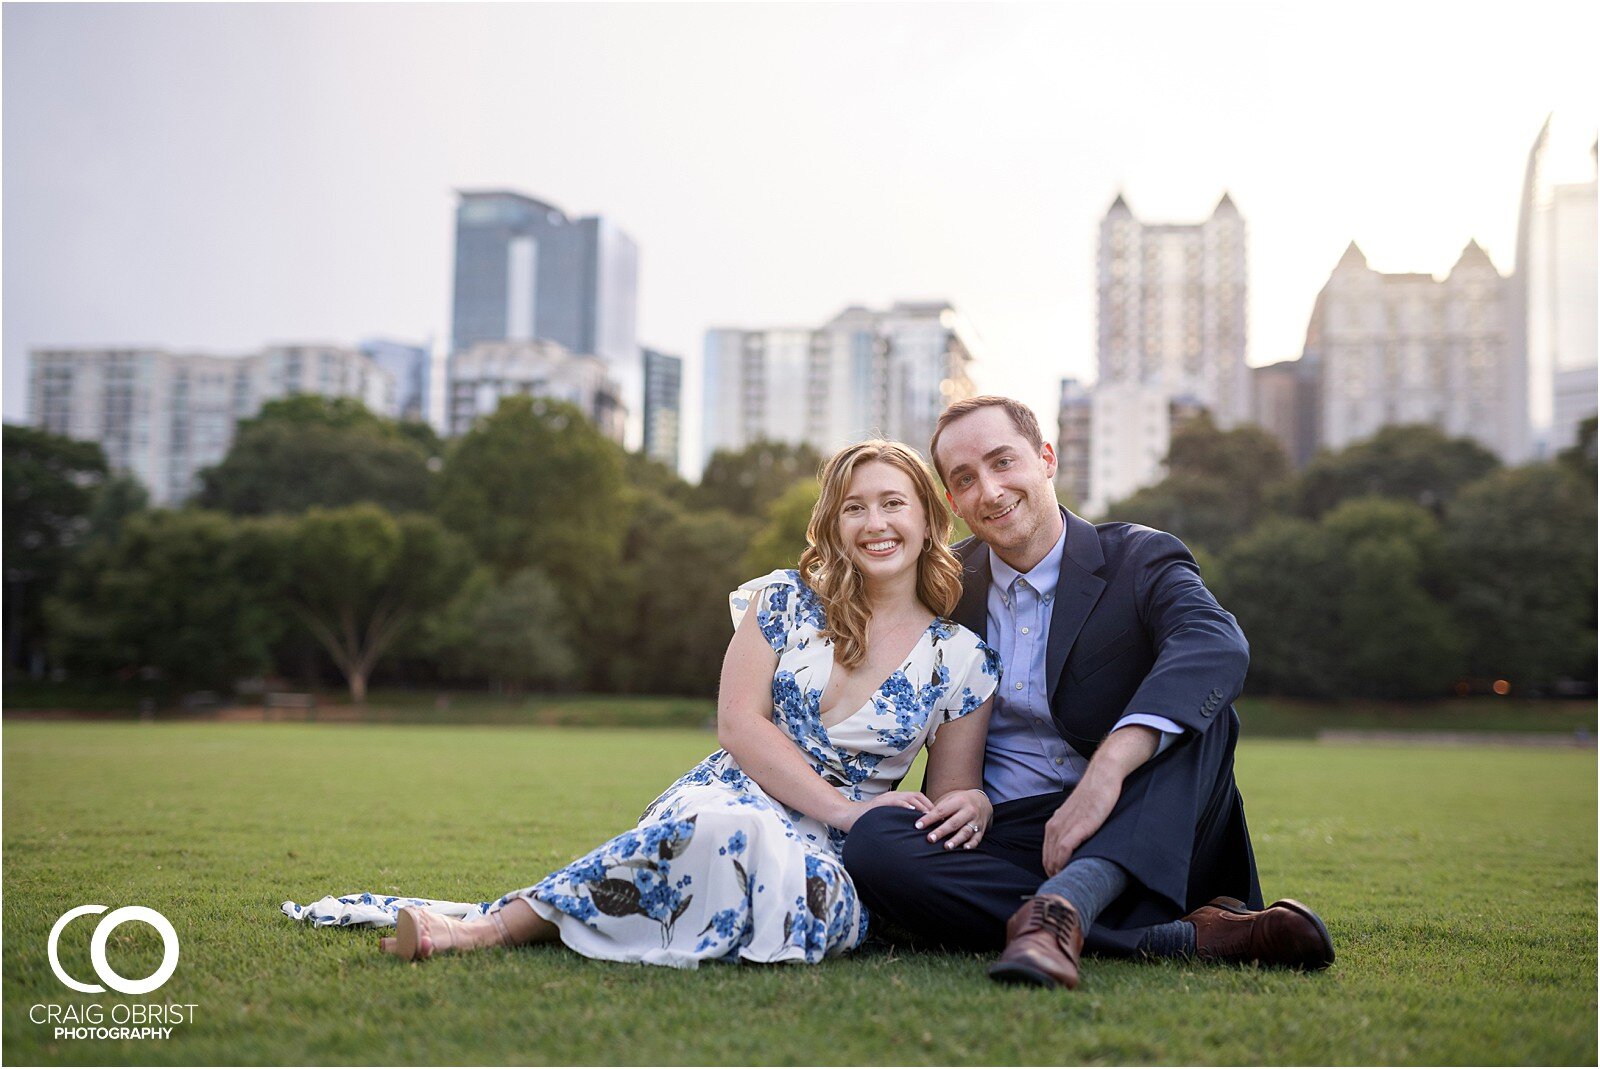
point(1353, 604)
point(191, 594)
point(1414, 463)
point(1396, 628)
point(668, 613)
point(117, 498)
point(782, 538)
point(50, 492)
point(305, 450)
point(1217, 484)
point(519, 634)
point(537, 486)
point(1281, 583)
point(643, 473)
point(1522, 547)
point(435, 647)
point(746, 482)
point(1579, 457)
point(358, 578)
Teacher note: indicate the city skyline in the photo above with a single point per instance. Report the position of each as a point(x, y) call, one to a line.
point(168, 185)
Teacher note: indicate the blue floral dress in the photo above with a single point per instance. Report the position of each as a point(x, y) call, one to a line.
point(717, 869)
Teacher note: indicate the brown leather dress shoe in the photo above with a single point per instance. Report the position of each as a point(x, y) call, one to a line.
point(1043, 943)
point(1285, 934)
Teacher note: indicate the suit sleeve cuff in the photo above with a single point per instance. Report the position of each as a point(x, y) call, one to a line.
point(1170, 732)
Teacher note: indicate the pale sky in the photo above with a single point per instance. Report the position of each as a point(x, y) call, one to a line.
point(218, 177)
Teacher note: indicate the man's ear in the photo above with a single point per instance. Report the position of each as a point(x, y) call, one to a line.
point(948, 500)
point(1047, 453)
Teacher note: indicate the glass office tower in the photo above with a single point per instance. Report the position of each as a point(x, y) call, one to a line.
point(524, 271)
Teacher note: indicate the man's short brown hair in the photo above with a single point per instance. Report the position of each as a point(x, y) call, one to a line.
point(1022, 418)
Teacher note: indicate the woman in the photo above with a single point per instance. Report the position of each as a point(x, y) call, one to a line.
point(829, 688)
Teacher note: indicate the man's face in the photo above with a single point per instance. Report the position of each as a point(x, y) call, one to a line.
point(1000, 485)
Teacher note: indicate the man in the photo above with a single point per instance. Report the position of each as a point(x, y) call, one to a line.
point(1109, 760)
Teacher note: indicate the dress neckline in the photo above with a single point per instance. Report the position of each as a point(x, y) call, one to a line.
point(873, 695)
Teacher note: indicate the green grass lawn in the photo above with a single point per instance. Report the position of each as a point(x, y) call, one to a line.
point(1459, 885)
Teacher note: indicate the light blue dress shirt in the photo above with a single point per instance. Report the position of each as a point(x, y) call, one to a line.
point(1024, 754)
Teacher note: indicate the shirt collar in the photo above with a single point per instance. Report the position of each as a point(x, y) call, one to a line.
point(1042, 576)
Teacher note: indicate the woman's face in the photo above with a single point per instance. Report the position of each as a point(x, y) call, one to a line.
point(882, 523)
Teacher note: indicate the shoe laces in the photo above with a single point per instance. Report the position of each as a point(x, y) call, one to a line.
point(1054, 917)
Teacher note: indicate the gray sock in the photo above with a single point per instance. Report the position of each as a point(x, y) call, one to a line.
point(1175, 939)
point(1090, 884)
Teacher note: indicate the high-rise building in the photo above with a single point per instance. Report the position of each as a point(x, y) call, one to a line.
point(756, 389)
point(1409, 348)
point(525, 271)
point(162, 416)
point(1554, 286)
point(411, 367)
point(1131, 427)
point(663, 407)
point(118, 398)
point(863, 374)
point(927, 356)
point(1074, 442)
point(1575, 392)
point(1284, 400)
point(488, 371)
point(1171, 336)
point(1172, 307)
point(325, 370)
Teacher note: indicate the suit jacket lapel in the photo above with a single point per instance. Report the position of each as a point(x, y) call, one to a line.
point(972, 611)
point(1078, 588)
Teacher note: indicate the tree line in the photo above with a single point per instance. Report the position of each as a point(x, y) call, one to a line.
point(1408, 565)
point(331, 544)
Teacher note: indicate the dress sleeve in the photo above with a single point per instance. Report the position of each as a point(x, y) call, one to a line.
point(774, 598)
point(974, 675)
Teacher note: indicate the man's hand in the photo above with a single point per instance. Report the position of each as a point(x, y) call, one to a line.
point(1079, 817)
point(1096, 794)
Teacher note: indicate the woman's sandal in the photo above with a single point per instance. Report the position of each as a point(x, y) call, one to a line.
point(420, 934)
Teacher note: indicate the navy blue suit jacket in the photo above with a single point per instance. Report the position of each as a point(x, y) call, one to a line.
point(1133, 630)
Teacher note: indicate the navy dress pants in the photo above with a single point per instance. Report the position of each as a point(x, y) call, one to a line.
point(1177, 829)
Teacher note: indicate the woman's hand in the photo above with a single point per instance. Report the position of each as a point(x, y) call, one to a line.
point(955, 768)
point(959, 818)
point(900, 799)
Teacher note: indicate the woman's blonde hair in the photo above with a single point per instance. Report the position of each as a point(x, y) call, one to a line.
point(826, 564)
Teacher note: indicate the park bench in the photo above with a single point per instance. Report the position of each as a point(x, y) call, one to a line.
point(276, 704)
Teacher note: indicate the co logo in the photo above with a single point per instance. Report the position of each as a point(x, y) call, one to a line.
point(97, 950)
